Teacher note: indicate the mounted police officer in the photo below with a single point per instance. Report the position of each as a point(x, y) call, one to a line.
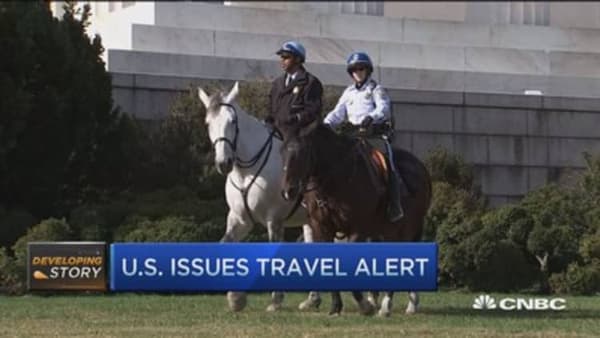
point(296, 95)
point(366, 105)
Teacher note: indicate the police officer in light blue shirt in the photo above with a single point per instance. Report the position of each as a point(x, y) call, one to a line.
point(365, 104)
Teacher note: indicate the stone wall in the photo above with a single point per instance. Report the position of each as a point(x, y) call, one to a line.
point(516, 142)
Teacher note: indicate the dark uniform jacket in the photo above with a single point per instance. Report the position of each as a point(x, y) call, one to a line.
point(302, 96)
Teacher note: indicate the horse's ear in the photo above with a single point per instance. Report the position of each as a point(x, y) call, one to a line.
point(203, 97)
point(233, 93)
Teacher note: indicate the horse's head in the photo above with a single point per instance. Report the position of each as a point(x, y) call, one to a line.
point(222, 124)
point(299, 161)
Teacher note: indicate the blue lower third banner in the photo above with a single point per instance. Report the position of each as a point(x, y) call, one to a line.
point(273, 266)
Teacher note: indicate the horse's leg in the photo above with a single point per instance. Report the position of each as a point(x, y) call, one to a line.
point(373, 298)
point(237, 230)
point(318, 235)
point(364, 306)
point(314, 298)
point(275, 231)
point(413, 302)
point(386, 304)
point(336, 303)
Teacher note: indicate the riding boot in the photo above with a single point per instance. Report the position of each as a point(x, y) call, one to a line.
point(397, 188)
point(397, 191)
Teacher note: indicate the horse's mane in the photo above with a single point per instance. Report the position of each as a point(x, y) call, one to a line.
point(217, 99)
point(325, 133)
point(331, 144)
point(336, 153)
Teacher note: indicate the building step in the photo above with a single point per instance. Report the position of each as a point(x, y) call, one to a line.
point(380, 29)
point(404, 55)
point(230, 68)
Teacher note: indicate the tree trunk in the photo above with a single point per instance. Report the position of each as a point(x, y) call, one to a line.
point(544, 285)
point(543, 262)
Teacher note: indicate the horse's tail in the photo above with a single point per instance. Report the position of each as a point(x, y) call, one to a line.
point(418, 180)
point(429, 186)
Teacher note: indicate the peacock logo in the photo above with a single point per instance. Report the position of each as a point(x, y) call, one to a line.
point(484, 302)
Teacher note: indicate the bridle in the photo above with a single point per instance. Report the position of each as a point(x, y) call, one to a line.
point(245, 164)
point(312, 185)
point(233, 144)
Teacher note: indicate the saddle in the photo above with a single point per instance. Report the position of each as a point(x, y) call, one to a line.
point(378, 168)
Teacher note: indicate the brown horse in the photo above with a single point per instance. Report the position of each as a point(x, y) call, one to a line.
point(341, 197)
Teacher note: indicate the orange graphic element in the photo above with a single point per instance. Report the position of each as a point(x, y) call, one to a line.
point(39, 275)
point(380, 163)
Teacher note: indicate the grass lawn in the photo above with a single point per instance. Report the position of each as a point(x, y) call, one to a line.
point(446, 314)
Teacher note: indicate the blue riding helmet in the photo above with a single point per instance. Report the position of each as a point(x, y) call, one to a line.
point(294, 48)
point(359, 58)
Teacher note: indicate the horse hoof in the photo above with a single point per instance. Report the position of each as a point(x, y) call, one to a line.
point(334, 313)
point(368, 311)
point(309, 304)
point(366, 308)
point(411, 310)
point(383, 313)
point(237, 301)
point(372, 302)
point(273, 307)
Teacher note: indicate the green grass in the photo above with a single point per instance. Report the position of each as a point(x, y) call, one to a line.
point(446, 314)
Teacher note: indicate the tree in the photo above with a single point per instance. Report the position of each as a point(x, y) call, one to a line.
point(60, 138)
point(558, 227)
point(451, 168)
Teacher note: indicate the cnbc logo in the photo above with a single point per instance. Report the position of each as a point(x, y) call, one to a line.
point(66, 266)
point(486, 302)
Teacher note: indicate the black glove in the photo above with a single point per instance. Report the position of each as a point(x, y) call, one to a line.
point(367, 122)
point(269, 120)
point(292, 119)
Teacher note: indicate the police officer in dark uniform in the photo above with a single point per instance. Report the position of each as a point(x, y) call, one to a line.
point(295, 98)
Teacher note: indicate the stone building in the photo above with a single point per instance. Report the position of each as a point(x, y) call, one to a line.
point(514, 87)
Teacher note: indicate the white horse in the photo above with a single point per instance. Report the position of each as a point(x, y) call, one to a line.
point(247, 151)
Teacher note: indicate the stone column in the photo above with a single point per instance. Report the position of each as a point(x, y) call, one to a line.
point(434, 10)
point(528, 13)
point(504, 13)
point(542, 13)
point(575, 14)
point(516, 13)
point(362, 7)
point(317, 6)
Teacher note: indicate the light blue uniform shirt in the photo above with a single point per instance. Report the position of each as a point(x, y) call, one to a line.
point(356, 104)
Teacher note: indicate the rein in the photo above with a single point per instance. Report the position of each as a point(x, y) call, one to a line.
point(352, 155)
point(246, 164)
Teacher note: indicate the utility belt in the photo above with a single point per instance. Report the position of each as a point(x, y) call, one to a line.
point(375, 130)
